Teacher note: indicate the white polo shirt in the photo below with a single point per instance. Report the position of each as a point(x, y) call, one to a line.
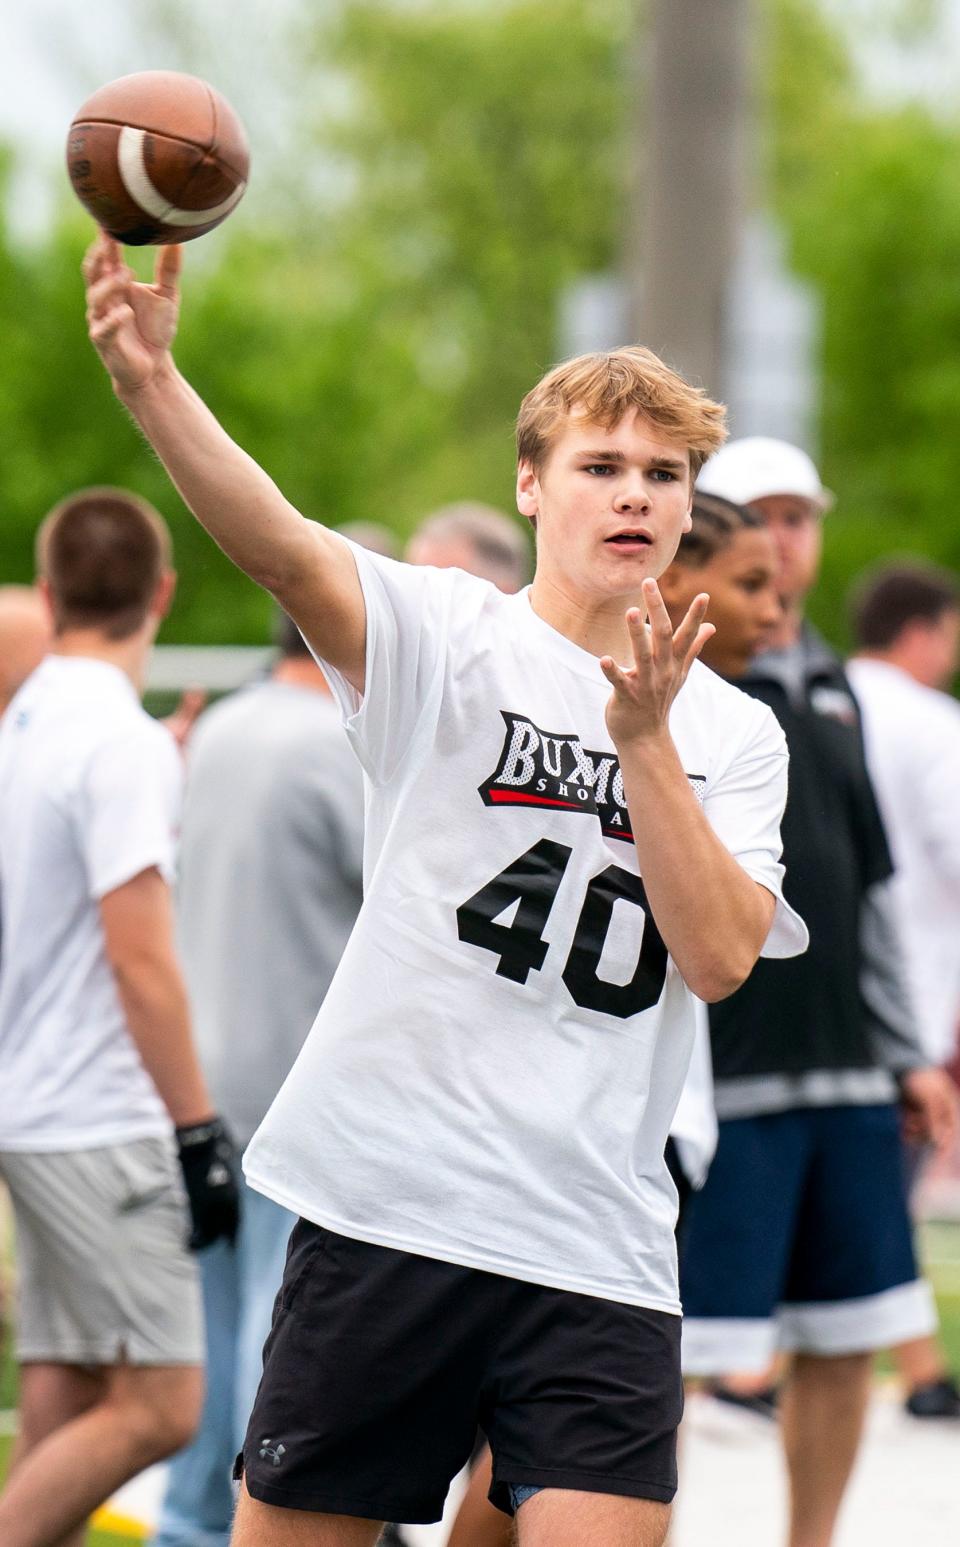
point(491, 1078)
point(912, 738)
point(89, 798)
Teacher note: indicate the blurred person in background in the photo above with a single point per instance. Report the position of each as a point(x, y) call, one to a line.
point(102, 1092)
point(906, 624)
point(729, 554)
point(801, 1234)
point(25, 635)
point(373, 536)
point(477, 538)
point(270, 886)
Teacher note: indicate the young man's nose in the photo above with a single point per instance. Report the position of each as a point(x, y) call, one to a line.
point(632, 495)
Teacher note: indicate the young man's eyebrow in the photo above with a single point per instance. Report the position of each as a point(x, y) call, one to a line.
point(672, 464)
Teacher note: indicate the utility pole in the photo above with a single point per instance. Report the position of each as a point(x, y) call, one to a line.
point(690, 144)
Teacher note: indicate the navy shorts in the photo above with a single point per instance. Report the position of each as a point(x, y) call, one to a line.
point(380, 1366)
point(801, 1238)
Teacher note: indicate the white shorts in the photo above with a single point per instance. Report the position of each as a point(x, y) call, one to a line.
point(104, 1274)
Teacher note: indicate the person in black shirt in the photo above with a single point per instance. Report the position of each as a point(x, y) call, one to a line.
point(801, 1235)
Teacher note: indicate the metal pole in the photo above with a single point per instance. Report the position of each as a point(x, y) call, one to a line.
point(689, 197)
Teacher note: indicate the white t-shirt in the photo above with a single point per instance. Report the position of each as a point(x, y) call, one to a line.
point(912, 738)
point(89, 798)
point(492, 1075)
point(694, 1129)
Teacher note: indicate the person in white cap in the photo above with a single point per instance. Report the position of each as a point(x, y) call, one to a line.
point(783, 483)
point(801, 1236)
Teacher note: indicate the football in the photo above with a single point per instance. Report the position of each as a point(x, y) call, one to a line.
point(157, 157)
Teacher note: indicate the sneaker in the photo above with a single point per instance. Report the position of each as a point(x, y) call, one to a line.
point(762, 1404)
point(937, 1399)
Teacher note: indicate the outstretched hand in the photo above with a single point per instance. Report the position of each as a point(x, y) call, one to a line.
point(643, 694)
point(131, 325)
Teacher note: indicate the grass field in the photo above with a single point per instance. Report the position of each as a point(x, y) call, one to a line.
point(941, 1247)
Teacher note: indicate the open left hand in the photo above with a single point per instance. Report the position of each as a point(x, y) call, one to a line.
point(929, 1104)
point(131, 325)
point(643, 694)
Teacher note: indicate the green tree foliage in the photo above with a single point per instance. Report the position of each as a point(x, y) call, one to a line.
point(487, 147)
point(465, 162)
point(870, 194)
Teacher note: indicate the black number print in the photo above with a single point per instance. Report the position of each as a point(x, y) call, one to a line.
point(533, 878)
point(531, 883)
point(580, 974)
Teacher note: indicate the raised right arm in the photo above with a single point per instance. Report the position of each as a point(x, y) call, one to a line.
point(307, 568)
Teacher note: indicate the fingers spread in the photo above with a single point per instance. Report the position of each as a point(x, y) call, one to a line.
point(640, 637)
point(101, 256)
point(167, 272)
point(612, 672)
point(690, 625)
point(706, 631)
point(657, 612)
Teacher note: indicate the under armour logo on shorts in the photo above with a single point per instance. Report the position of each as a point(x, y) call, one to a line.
point(271, 1452)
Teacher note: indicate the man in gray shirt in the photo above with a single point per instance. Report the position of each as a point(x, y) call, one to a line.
point(271, 882)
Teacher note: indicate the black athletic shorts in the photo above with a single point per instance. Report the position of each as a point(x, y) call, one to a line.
point(380, 1366)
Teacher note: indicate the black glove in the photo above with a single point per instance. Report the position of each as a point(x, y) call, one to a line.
point(209, 1164)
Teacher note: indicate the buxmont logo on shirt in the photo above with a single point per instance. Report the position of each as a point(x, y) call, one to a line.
point(544, 768)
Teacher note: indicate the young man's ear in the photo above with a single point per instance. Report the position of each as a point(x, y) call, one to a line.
point(163, 595)
point(528, 491)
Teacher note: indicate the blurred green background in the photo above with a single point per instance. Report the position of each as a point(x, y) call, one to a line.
point(369, 320)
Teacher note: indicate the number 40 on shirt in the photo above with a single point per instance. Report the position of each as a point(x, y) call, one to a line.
point(531, 881)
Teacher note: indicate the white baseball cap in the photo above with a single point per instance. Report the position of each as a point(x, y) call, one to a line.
point(757, 466)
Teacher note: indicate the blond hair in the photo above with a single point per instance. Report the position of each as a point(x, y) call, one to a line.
point(601, 388)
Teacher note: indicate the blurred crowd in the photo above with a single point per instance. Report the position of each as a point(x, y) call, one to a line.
point(186, 936)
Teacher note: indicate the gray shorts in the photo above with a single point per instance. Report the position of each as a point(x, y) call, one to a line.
point(104, 1275)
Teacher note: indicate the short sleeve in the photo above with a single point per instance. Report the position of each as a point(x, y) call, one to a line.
point(408, 610)
point(130, 810)
point(745, 807)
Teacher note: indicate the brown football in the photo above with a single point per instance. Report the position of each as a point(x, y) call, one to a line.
point(157, 157)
